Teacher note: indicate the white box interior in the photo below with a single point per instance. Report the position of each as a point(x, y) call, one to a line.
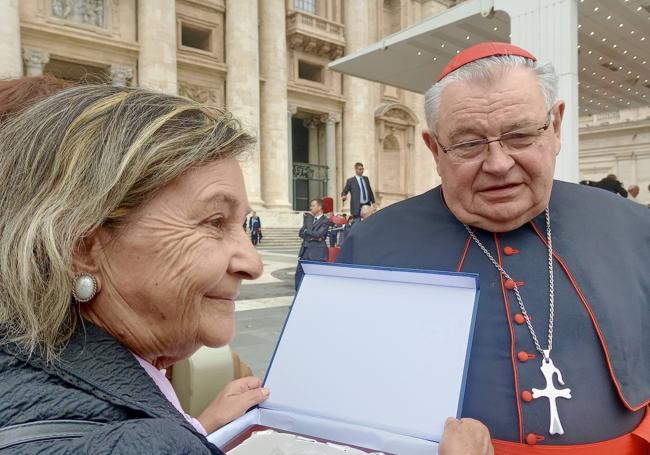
point(368, 438)
point(370, 357)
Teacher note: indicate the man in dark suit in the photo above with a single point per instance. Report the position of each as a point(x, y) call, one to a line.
point(313, 233)
point(255, 226)
point(359, 187)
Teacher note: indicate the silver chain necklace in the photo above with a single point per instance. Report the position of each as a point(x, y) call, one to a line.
point(549, 370)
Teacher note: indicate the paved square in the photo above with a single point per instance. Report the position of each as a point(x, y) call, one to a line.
point(262, 308)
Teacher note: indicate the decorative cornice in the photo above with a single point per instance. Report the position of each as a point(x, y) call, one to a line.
point(205, 63)
point(314, 46)
point(326, 96)
point(315, 35)
point(213, 5)
point(78, 36)
point(613, 128)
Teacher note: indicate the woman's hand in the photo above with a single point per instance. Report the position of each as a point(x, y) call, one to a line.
point(465, 437)
point(232, 402)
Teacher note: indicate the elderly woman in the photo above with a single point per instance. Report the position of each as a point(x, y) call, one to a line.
point(122, 252)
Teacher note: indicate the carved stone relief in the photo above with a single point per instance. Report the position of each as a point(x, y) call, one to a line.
point(205, 95)
point(89, 12)
point(315, 46)
point(398, 114)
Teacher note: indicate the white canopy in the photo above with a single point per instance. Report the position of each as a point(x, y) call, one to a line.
point(611, 60)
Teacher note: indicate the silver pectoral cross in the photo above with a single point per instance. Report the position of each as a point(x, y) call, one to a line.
point(549, 370)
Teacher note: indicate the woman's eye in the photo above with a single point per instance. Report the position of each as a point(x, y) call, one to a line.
point(218, 222)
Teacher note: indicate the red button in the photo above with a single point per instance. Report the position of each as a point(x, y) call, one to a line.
point(510, 284)
point(520, 319)
point(532, 438)
point(509, 251)
point(523, 356)
point(527, 396)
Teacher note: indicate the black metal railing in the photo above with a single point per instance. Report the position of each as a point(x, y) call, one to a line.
point(309, 182)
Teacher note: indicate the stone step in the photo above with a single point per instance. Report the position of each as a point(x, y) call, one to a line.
point(284, 244)
point(279, 238)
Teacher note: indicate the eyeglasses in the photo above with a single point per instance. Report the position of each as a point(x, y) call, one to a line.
point(512, 143)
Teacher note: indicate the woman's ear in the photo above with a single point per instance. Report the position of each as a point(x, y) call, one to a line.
point(88, 252)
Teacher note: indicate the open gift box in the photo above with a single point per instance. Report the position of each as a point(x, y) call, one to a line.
point(370, 357)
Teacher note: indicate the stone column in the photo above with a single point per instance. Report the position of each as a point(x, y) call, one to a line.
point(315, 187)
point(243, 82)
point(157, 38)
point(35, 60)
point(291, 111)
point(121, 75)
point(358, 115)
point(274, 133)
point(312, 126)
point(529, 23)
point(429, 8)
point(12, 64)
point(330, 152)
point(422, 165)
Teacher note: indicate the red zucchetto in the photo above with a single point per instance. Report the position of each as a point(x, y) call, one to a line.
point(482, 50)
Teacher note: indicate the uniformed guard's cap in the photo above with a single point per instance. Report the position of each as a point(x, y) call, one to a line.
point(482, 50)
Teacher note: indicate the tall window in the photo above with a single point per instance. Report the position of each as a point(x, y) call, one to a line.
point(305, 5)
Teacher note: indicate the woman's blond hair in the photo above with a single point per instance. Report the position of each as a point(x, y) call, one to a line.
point(76, 161)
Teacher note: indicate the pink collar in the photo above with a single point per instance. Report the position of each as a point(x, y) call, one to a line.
point(159, 378)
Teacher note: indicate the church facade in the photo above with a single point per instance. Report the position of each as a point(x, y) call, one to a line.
point(266, 61)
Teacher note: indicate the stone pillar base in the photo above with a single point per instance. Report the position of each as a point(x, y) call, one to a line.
point(285, 219)
point(279, 206)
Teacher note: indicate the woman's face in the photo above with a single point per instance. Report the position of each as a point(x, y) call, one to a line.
point(169, 278)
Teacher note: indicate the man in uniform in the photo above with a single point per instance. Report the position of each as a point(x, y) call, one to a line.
point(560, 361)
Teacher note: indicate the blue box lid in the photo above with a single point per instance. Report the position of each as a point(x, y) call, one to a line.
point(378, 347)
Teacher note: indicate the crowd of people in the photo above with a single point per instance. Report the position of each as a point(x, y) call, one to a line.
point(612, 184)
point(319, 228)
point(362, 205)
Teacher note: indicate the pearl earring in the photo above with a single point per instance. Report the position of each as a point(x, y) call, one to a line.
point(84, 287)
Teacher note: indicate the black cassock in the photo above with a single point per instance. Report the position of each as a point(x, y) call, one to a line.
point(602, 307)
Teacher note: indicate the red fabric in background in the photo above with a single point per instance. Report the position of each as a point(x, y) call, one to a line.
point(336, 219)
point(328, 205)
point(332, 253)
